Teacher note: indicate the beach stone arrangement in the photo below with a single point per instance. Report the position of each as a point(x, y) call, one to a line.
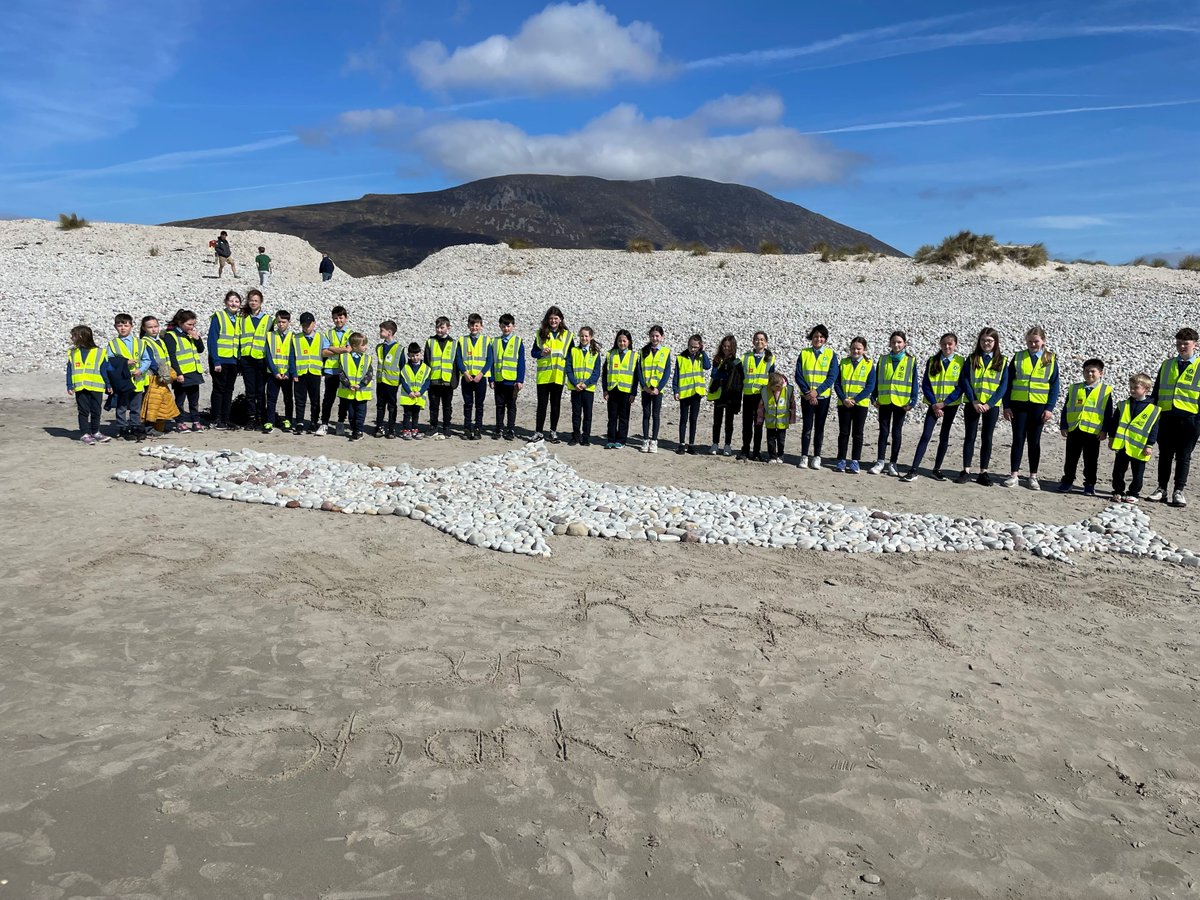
point(513, 502)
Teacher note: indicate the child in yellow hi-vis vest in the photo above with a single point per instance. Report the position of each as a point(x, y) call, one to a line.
point(414, 385)
point(1133, 430)
point(388, 360)
point(776, 412)
point(356, 374)
point(1088, 410)
point(87, 382)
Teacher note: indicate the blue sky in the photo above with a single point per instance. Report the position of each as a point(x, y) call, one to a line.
point(1077, 124)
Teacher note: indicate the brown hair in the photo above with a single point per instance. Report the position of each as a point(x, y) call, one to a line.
point(81, 337)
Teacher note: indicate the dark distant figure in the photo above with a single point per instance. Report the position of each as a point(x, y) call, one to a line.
point(224, 255)
point(326, 267)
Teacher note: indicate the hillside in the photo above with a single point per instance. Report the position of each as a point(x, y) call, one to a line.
point(381, 233)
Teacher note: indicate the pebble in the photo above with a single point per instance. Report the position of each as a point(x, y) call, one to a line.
point(871, 878)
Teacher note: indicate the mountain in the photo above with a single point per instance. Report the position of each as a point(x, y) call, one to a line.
point(384, 232)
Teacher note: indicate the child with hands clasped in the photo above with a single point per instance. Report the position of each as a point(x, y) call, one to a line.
point(1134, 429)
point(125, 375)
point(984, 382)
point(1029, 405)
point(388, 360)
point(473, 361)
point(88, 383)
point(690, 385)
point(620, 370)
point(1084, 423)
point(414, 384)
point(583, 373)
point(281, 372)
point(895, 395)
point(757, 366)
point(654, 371)
point(855, 386)
point(725, 392)
point(816, 372)
point(776, 412)
point(941, 386)
point(356, 376)
point(310, 372)
point(185, 351)
point(158, 405)
point(507, 354)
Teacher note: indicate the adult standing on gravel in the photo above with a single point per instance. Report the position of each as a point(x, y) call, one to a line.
point(1177, 393)
point(224, 255)
point(326, 267)
point(224, 346)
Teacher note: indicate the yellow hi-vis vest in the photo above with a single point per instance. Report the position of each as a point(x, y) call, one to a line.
point(692, 382)
point(388, 369)
point(943, 381)
point(1133, 435)
point(116, 348)
point(1179, 390)
point(755, 373)
point(335, 340)
point(505, 357)
point(985, 380)
point(620, 371)
point(280, 348)
point(85, 370)
point(474, 353)
point(308, 354)
point(158, 349)
point(186, 356)
point(413, 379)
point(552, 364)
point(814, 367)
point(441, 360)
point(654, 366)
point(776, 408)
point(853, 378)
point(254, 337)
point(229, 334)
point(1085, 407)
point(894, 381)
point(354, 371)
point(583, 364)
point(1031, 378)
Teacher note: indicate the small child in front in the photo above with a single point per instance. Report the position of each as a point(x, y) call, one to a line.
point(414, 385)
point(1134, 430)
point(776, 412)
point(1089, 408)
point(87, 382)
point(355, 375)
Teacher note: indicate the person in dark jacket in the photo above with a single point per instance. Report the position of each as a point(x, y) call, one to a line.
point(725, 392)
point(326, 267)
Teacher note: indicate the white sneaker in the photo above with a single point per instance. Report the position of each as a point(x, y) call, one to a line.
point(654, 446)
point(1160, 494)
point(715, 450)
point(322, 430)
point(815, 462)
point(1178, 499)
point(891, 470)
point(645, 448)
point(877, 468)
point(1010, 481)
point(1033, 483)
point(803, 463)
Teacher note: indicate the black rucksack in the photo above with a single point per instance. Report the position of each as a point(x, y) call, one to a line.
point(239, 411)
point(223, 248)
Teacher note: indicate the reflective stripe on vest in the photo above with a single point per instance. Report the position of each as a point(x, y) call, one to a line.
point(894, 385)
point(388, 370)
point(253, 341)
point(85, 370)
point(552, 364)
point(335, 340)
point(411, 380)
point(985, 380)
point(853, 378)
point(507, 354)
point(474, 353)
point(755, 372)
point(229, 334)
point(1085, 407)
point(158, 349)
point(620, 371)
point(1133, 435)
point(1031, 382)
point(654, 366)
point(583, 364)
point(1179, 390)
point(354, 371)
point(775, 408)
point(116, 347)
point(280, 348)
point(814, 366)
point(441, 360)
point(186, 356)
point(944, 381)
point(308, 354)
point(691, 376)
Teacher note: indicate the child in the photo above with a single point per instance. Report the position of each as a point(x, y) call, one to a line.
point(158, 406)
point(310, 370)
point(757, 366)
point(473, 363)
point(816, 372)
point(184, 350)
point(583, 372)
point(356, 376)
point(942, 389)
point(88, 382)
point(620, 369)
point(252, 362)
point(1177, 393)
point(1089, 408)
point(725, 392)
point(654, 370)
point(333, 346)
point(1134, 429)
point(388, 362)
point(124, 353)
point(854, 388)
point(1029, 405)
point(550, 350)
point(439, 357)
point(414, 384)
point(690, 386)
point(282, 372)
point(224, 341)
point(777, 411)
point(984, 382)
point(895, 394)
point(263, 262)
point(507, 364)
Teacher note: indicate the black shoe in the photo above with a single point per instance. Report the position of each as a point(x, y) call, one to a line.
point(963, 477)
point(130, 435)
point(1065, 487)
point(390, 434)
point(984, 479)
point(939, 474)
point(679, 451)
point(379, 431)
point(510, 436)
point(909, 477)
point(250, 426)
point(573, 441)
point(357, 435)
point(585, 441)
point(220, 426)
point(496, 435)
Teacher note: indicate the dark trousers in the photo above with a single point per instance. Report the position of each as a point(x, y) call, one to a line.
point(275, 387)
point(88, 404)
point(812, 424)
point(1177, 433)
point(1080, 443)
point(723, 415)
point(357, 414)
point(852, 421)
point(1027, 430)
point(548, 395)
point(505, 393)
point(618, 416)
point(931, 421)
point(776, 437)
point(411, 415)
point(441, 396)
point(891, 421)
point(254, 380)
point(750, 424)
point(971, 421)
point(385, 404)
point(331, 389)
point(223, 385)
point(189, 395)
point(308, 388)
point(473, 394)
point(689, 415)
point(651, 414)
point(1137, 471)
point(581, 413)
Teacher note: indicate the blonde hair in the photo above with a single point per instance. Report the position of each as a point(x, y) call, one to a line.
point(1141, 379)
point(777, 380)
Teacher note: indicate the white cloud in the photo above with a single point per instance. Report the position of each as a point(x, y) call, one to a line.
point(566, 46)
point(1069, 223)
